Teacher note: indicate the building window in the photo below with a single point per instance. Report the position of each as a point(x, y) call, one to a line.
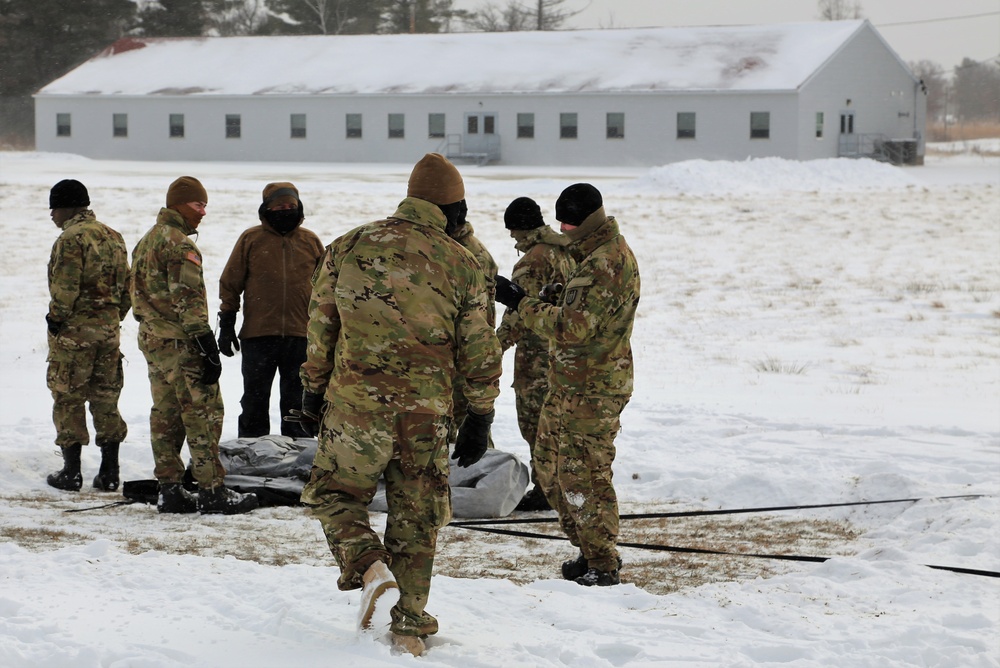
point(616, 125)
point(472, 125)
point(567, 126)
point(686, 121)
point(760, 124)
point(354, 126)
point(526, 126)
point(298, 126)
point(63, 125)
point(177, 125)
point(819, 125)
point(489, 124)
point(397, 129)
point(119, 125)
point(435, 125)
point(233, 126)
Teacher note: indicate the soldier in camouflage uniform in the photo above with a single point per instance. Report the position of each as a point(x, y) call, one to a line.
point(171, 305)
point(464, 234)
point(590, 380)
point(398, 311)
point(88, 289)
point(545, 262)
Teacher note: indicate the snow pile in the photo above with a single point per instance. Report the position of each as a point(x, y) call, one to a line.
point(707, 177)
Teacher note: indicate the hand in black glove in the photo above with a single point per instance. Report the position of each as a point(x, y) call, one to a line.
point(509, 294)
point(473, 438)
point(211, 365)
point(550, 292)
point(227, 333)
point(311, 414)
point(54, 326)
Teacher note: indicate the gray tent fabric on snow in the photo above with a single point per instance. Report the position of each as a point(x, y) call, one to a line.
point(279, 466)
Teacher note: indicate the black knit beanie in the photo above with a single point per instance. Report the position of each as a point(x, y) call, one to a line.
point(523, 214)
point(68, 194)
point(577, 202)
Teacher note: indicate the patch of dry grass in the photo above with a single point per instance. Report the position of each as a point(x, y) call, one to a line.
point(288, 535)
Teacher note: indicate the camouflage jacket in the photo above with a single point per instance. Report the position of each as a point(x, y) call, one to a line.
point(88, 274)
point(398, 310)
point(589, 330)
point(466, 236)
point(168, 286)
point(545, 260)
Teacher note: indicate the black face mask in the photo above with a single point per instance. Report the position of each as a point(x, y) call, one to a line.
point(455, 214)
point(284, 220)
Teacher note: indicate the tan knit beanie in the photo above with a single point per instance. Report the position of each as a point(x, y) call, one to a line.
point(186, 189)
point(436, 180)
point(279, 193)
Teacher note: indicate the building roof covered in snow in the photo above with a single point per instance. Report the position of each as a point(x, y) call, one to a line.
point(737, 58)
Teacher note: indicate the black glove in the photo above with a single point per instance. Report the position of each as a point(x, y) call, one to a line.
point(509, 294)
point(473, 438)
point(309, 417)
point(550, 292)
point(211, 365)
point(227, 333)
point(54, 326)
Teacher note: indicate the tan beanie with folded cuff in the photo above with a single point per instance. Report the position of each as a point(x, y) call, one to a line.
point(436, 180)
point(186, 189)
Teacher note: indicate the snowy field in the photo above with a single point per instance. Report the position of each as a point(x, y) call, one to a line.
point(808, 333)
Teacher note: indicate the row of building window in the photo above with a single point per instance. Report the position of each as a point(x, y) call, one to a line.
point(760, 125)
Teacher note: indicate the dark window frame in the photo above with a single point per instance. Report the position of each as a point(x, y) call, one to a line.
point(526, 130)
point(234, 126)
point(614, 130)
point(396, 132)
point(760, 125)
point(351, 132)
point(687, 130)
point(64, 124)
point(119, 130)
point(297, 131)
point(176, 129)
point(435, 125)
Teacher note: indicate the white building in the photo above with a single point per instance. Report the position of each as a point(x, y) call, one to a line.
point(589, 98)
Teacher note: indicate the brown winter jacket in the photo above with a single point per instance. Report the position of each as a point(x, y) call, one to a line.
point(274, 275)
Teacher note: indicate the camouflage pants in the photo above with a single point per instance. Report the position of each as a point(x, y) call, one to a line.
point(528, 400)
point(410, 451)
point(574, 452)
point(183, 407)
point(85, 366)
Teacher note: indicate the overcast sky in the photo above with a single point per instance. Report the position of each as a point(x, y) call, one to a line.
point(943, 41)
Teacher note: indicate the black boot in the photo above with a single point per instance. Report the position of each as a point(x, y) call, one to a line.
point(594, 577)
point(224, 501)
point(578, 568)
point(69, 477)
point(106, 479)
point(534, 500)
point(174, 498)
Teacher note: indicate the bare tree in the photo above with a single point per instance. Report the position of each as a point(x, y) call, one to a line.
point(521, 15)
point(839, 10)
point(934, 85)
point(237, 17)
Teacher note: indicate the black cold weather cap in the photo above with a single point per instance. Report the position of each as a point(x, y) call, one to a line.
point(68, 194)
point(523, 214)
point(577, 202)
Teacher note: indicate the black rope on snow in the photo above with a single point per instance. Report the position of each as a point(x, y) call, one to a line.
point(737, 511)
point(479, 525)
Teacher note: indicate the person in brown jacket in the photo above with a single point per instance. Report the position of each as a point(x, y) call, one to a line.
point(271, 266)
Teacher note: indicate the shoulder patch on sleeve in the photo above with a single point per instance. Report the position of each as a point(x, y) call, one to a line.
point(191, 255)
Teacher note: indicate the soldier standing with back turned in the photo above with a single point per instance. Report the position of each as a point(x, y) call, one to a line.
point(88, 289)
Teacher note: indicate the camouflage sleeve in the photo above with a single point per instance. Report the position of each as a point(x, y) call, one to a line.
point(323, 328)
point(588, 301)
point(186, 285)
point(478, 355)
point(125, 291)
point(65, 276)
point(232, 282)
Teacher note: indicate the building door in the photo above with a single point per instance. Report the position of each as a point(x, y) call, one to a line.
point(481, 133)
point(848, 144)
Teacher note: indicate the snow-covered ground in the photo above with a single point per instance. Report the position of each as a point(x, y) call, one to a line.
point(809, 333)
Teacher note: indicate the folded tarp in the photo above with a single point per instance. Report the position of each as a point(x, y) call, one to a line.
point(277, 468)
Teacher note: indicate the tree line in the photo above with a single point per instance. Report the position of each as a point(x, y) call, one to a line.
point(40, 40)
